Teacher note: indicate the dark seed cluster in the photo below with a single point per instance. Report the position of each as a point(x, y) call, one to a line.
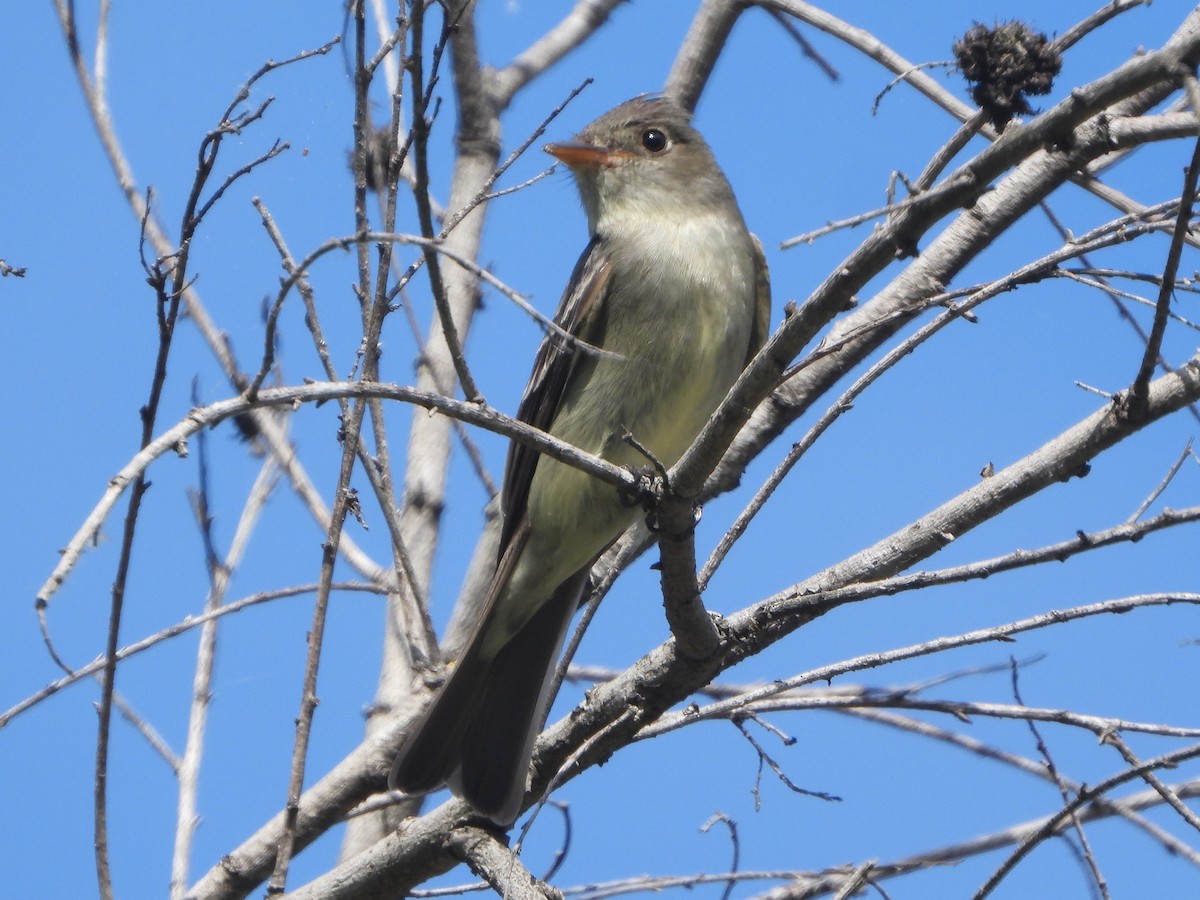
point(1005, 64)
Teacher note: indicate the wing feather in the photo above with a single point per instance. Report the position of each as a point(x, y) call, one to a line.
point(760, 327)
point(552, 369)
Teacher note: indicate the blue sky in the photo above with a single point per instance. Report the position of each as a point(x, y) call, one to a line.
point(799, 151)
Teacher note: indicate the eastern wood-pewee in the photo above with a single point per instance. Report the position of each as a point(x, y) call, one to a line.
point(672, 288)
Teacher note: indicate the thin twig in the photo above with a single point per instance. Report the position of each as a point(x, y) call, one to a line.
point(1064, 791)
point(277, 883)
point(485, 192)
point(1156, 784)
point(765, 758)
point(420, 130)
point(197, 314)
point(1086, 26)
point(220, 571)
point(1162, 485)
point(735, 843)
point(1085, 797)
point(317, 392)
point(805, 45)
point(1114, 296)
point(724, 708)
point(1139, 391)
point(377, 470)
point(179, 628)
point(156, 741)
point(910, 725)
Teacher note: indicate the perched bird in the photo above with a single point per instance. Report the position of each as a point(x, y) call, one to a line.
point(672, 289)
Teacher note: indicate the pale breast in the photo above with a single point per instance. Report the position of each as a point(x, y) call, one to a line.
point(679, 313)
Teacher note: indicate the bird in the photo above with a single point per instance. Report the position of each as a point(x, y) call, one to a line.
point(664, 309)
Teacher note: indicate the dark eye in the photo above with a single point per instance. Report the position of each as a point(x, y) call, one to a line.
point(654, 140)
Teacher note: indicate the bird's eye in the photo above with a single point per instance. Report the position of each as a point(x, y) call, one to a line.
point(654, 140)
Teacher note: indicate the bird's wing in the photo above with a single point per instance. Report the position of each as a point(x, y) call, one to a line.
point(515, 684)
point(760, 326)
point(552, 368)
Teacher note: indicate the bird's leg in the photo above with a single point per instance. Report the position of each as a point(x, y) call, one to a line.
point(652, 481)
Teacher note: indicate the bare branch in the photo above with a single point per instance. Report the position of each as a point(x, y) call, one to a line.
point(498, 866)
point(576, 27)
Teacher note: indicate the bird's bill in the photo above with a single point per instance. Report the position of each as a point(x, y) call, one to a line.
point(585, 156)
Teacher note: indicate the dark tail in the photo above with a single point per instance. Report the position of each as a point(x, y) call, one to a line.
point(478, 732)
